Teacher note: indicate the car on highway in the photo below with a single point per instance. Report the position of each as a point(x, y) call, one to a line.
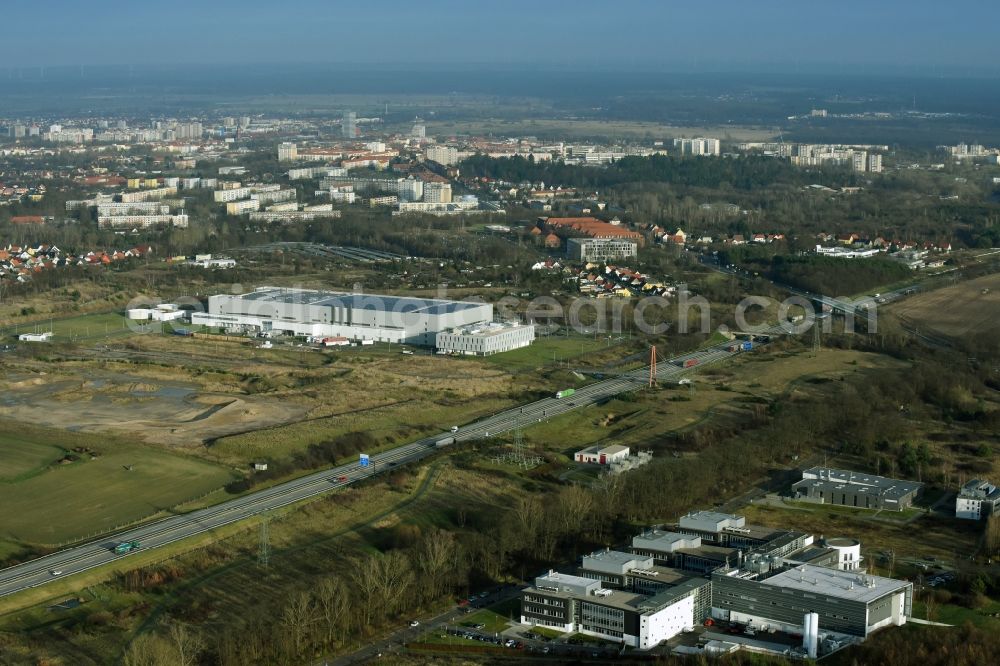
point(56, 572)
point(341, 478)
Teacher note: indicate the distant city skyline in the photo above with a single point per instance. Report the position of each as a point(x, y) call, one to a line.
point(912, 36)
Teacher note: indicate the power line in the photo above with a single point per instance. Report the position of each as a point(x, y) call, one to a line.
point(264, 546)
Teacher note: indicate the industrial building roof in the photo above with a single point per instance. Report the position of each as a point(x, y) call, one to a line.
point(710, 521)
point(847, 585)
point(978, 489)
point(487, 330)
point(614, 561)
point(664, 542)
point(672, 594)
point(859, 482)
point(431, 306)
point(658, 574)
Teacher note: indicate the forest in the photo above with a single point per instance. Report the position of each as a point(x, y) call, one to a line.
point(831, 276)
point(744, 173)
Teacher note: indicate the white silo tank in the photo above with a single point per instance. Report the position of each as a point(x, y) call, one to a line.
point(810, 633)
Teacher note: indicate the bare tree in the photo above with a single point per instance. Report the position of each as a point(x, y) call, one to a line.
point(149, 650)
point(332, 602)
point(574, 505)
point(188, 643)
point(436, 561)
point(298, 616)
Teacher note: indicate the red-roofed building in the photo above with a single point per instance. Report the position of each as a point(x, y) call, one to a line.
point(590, 226)
point(27, 219)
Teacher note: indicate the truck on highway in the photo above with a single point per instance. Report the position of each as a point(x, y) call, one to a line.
point(126, 547)
point(688, 363)
point(444, 442)
point(565, 393)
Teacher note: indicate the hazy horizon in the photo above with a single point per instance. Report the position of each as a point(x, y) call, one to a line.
point(915, 38)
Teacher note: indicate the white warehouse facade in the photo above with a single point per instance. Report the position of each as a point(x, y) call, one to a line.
point(485, 340)
point(304, 312)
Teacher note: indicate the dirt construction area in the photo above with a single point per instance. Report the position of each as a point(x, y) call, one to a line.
point(165, 413)
point(160, 391)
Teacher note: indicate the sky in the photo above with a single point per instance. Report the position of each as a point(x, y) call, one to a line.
point(937, 37)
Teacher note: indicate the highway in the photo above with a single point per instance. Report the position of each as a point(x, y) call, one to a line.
point(168, 530)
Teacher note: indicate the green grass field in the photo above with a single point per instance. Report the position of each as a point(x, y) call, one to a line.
point(81, 328)
point(25, 457)
point(392, 426)
point(62, 503)
point(492, 622)
point(549, 349)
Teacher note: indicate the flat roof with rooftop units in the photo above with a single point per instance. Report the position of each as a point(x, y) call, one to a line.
point(847, 585)
point(485, 339)
point(855, 489)
point(312, 313)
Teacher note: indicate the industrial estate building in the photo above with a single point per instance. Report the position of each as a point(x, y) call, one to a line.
point(855, 489)
point(486, 339)
point(976, 500)
point(712, 565)
point(848, 603)
point(303, 312)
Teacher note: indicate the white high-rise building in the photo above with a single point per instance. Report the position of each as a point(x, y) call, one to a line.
point(349, 125)
point(697, 146)
point(860, 161)
point(875, 163)
point(287, 152)
point(437, 192)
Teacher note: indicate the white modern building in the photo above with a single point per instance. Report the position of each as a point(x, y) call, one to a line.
point(572, 604)
point(849, 603)
point(486, 339)
point(977, 500)
point(161, 312)
point(600, 249)
point(303, 312)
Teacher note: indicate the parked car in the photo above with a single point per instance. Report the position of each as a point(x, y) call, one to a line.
point(414, 623)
